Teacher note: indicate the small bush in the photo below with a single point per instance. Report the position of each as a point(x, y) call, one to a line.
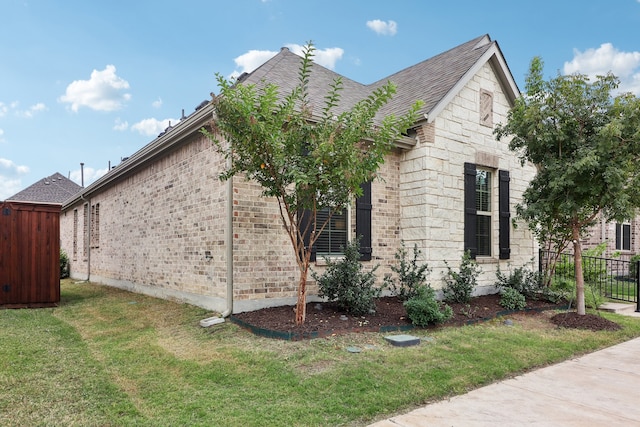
point(423, 309)
point(592, 296)
point(347, 284)
point(64, 264)
point(411, 276)
point(565, 289)
point(511, 299)
point(522, 279)
point(459, 285)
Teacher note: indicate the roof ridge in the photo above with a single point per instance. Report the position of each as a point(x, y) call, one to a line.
point(475, 42)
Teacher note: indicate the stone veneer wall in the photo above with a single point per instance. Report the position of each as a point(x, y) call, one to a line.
point(432, 183)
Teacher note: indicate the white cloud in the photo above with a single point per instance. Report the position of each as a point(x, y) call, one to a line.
point(121, 125)
point(251, 60)
point(2, 136)
point(32, 110)
point(157, 103)
point(9, 186)
point(152, 126)
point(3, 109)
point(325, 57)
point(104, 91)
point(606, 58)
point(11, 167)
point(388, 28)
point(10, 182)
point(90, 175)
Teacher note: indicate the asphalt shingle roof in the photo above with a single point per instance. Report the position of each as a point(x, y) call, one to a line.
point(429, 80)
point(52, 189)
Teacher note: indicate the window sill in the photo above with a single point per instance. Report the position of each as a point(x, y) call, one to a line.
point(486, 260)
point(321, 261)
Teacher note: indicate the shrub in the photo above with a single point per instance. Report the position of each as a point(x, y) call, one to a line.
point(64, 264)
point(459, 285)
point(423, 309)
point(522, 279)
point(511, 299)
point(592, 296)
point(345, 282)
point(565, 289)
point(411, 276)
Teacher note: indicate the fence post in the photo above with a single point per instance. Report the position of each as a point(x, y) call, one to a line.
point(638, 286)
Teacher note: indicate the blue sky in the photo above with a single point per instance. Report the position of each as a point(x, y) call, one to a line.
point(93, 82)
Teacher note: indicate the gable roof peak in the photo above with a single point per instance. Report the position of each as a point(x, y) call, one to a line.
point(483, 41)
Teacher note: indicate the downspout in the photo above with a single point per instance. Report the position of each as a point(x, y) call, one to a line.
point(210, 321)
point(229, 242)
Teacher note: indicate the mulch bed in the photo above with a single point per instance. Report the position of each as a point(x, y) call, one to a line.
point(326, 319)
point(593, 322)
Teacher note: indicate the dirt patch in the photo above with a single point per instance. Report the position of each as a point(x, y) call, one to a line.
point(325, 319)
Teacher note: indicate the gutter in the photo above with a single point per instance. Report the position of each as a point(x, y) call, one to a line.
point(164, 143)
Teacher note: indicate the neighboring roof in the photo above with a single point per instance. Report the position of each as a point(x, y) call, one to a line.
point(436, 81)
point(52, 189)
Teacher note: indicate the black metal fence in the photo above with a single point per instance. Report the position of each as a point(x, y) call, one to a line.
point(616, 279)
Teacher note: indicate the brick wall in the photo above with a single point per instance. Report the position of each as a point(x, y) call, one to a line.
point(161, 228)
point(604, 231)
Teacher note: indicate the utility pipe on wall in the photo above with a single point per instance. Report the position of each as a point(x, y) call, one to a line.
point(229, 243)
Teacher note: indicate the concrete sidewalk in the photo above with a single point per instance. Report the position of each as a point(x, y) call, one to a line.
point(598, 389)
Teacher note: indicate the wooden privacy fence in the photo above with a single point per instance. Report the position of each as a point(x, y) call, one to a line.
point(29, 254)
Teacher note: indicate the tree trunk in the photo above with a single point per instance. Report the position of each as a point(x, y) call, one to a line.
point(579, 274)
point(301, 305)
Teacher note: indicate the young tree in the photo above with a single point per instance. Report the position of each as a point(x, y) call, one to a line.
point(585, 144)
point(305, 160)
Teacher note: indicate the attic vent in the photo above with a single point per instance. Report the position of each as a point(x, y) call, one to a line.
point(242, 76)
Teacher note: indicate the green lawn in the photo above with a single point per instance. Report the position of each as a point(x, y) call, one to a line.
point(106, 357)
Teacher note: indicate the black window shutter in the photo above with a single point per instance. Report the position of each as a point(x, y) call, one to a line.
point(304, 218)
point(363, 221)
point(505, 215)
point(626, 237)
point(470, 225)
point(618, 236)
